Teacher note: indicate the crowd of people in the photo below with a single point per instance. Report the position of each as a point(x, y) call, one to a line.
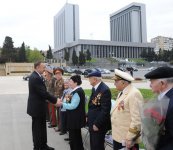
point(62, 103)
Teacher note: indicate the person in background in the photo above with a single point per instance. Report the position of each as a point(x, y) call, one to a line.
point(59, 88)
point(49, 82)
point(75, 107)
point(63, 113)
point(36, 106)
point(98, 111)
point(125, 116)
point(161, 83)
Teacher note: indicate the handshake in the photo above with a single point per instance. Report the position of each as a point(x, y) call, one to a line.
point(58, 103)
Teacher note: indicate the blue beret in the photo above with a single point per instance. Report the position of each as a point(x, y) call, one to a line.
point(161, 72)
point(94, 74)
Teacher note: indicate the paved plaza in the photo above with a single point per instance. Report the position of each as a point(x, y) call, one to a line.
point(15, 124)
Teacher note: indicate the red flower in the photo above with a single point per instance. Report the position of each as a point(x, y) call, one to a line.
point(155, 114)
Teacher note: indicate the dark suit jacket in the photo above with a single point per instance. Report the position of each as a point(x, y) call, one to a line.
point(166, 141)
point(100, 114)
point(38, 96)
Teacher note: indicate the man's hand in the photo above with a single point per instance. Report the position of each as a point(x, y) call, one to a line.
point(95, 127)
point(129, 143)
point(58, 103)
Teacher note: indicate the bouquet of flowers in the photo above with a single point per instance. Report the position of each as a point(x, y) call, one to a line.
point(153, 115)
point(68, 98)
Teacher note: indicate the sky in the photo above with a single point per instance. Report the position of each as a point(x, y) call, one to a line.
point(31, 21)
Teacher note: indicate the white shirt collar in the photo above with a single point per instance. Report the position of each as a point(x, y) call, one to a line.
point(96, 86)
point(38, 73)
point(161, 95)
point(75, 88)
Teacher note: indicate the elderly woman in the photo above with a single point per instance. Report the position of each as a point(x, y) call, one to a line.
point(125, 116)
point(75, 107)
point(63, 113)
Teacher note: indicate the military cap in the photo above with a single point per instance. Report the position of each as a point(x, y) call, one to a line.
point(58, 69)
point(95, 73)
point(160, 72)
point(49, 69)
point(121, 75)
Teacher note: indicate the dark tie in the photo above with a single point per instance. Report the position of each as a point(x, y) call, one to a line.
point(93, 90)
point(120, 94)
point(42, 78)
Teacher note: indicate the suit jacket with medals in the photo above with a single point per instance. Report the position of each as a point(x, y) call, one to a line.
point(125, 116)
point(99, 108)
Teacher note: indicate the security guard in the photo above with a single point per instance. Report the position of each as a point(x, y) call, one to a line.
point(125, 115)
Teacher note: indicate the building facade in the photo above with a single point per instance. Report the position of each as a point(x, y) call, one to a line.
point(105, 49)
point(128, 36)
point(129, 24)
point(66, 25)
point(163, 43)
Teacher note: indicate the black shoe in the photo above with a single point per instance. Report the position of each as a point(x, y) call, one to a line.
point(67, 139)
point(62, 133)
point(47, 148)
point(51, 126)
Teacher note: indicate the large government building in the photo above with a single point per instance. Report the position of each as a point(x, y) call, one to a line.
point(128, 35)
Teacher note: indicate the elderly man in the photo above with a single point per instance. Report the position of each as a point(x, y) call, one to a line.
point(98, 111)
point(125, 115)
point(162, 84)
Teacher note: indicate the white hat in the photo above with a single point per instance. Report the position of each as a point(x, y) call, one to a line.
point(121, 75)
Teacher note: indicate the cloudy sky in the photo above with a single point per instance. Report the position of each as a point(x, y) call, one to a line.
point(31, 21)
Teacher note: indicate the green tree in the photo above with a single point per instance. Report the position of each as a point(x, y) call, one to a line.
point(66, 55)
point(34, 55)
point(144, 53)
point(88, 55)
point(49, 53)
point(74, 58)
point(22, 53)
point(8, 51)
point(82, 59)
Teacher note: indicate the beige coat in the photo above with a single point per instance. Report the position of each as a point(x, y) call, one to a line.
point(125, 116)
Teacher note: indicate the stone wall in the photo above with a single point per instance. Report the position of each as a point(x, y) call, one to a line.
point(20, 68)
point(2, 70)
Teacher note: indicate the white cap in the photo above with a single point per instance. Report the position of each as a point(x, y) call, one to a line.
point(121, 75)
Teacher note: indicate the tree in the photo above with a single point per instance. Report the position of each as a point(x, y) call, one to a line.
point(34, 55)
point(8, 51)
point(82, 59)
point(22, 53)
point(66, 55)
point(88, 55)
point(144, 53)
point(74, 58)
point(49, 53)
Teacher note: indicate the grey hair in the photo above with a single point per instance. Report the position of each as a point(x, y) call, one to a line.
point(98, 78)
point(66, 80)
point(168, 80)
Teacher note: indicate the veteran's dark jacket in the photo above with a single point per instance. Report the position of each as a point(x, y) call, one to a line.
point(166, 141)
point(99, 114)
point(76, 118)
point(37, 96)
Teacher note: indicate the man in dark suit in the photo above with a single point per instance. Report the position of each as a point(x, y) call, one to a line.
point(37, 107)
point(162, 84)
point(98, 111)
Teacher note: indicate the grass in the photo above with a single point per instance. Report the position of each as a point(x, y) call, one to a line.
point(147, 94)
